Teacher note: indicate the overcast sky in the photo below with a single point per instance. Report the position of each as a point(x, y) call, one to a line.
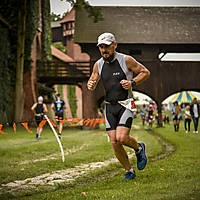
point(59, 7)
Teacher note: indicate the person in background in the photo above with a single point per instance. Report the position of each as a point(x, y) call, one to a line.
point(176, 114)
point(195, 112)
point(59, 105)
point(164, 118)
point(150, 117)
point(39, 109)
point(167, 119)
point(188, 117)
point(142, 114)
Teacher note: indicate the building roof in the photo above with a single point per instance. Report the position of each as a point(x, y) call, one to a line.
point(142, 25)
point(69, 17)
point(60, 55)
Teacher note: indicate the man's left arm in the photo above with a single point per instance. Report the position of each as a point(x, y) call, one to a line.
point(45, 108)
point(142, 73)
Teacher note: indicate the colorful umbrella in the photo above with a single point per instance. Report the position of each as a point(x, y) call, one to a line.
point(183, 97)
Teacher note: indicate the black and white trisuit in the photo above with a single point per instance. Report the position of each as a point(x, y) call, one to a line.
point(111, 74)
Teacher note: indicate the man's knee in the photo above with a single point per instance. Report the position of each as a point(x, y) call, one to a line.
point(116, 145)
point(122, 139)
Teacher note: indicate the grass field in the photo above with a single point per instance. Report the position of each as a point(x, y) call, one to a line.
point(31, 169)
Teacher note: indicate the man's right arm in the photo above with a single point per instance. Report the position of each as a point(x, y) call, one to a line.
point(94, 78)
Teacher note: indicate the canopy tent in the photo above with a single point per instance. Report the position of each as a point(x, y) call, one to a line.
point(183, 97)
point(141, 102)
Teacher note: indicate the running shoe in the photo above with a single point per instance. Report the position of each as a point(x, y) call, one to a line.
point(141, 157)
point(59, 135)
point(130, 175)
point(38, 137)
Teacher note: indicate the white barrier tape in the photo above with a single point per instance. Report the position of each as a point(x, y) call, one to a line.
point(56, 135)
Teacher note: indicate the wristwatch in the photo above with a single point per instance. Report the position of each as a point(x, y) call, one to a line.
point(133, 83)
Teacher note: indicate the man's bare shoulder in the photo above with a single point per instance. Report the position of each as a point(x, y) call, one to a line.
point(95, 67)
point(130, 62)
point(129, 59)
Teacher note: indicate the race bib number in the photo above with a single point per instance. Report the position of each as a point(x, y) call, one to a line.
point(129, 104)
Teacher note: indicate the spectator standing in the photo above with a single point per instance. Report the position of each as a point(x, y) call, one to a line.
point(142, 114)
point(188, 117)
point(195, 112)
point(176, 113)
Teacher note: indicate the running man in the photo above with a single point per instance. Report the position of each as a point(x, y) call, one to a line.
point(59, 106)
point(116, 71)
point(39, 109)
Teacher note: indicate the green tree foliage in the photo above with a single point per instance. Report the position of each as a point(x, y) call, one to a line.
point(19, 89)
point(60, 46)
point(71, 94)
point(93, 12)
point(8, 46)
point(57, 17)
point(32, 19)
point(6, 87)
point(46, 30)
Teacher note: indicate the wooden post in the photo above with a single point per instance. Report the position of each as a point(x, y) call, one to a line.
point(89, 102)
point(159, 109)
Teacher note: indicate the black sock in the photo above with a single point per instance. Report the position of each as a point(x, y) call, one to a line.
point(175, 128)
point(138, 150)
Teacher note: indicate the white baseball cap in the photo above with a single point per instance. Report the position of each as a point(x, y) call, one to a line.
point(106, 38)
point(40, 98)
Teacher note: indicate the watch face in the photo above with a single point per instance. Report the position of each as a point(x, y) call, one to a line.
point(133, 83)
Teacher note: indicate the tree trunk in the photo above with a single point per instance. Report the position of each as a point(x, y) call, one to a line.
point(19, 91)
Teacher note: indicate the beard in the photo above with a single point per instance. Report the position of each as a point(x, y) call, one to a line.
point(108, 57)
